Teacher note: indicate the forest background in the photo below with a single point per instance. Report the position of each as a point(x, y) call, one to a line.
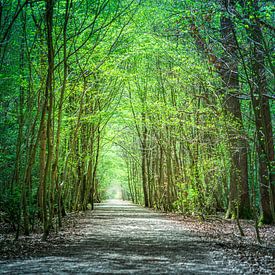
point(169, 102)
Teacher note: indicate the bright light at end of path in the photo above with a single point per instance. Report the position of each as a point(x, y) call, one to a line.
point(114, 191)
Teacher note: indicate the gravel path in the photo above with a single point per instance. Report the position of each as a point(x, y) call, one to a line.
point(122, 238)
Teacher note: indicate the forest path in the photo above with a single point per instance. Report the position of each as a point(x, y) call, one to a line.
point(122, 238)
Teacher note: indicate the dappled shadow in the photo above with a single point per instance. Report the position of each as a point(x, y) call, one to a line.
point(122, 238)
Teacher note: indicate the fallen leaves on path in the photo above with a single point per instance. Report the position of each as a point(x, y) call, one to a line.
point(225, 233)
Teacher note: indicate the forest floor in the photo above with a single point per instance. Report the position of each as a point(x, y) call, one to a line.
point(122, 238)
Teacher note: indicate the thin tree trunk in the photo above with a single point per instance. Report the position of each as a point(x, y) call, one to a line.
point(144, 166)
point(49, 96)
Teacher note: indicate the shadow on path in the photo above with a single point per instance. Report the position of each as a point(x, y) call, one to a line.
point(122, 238)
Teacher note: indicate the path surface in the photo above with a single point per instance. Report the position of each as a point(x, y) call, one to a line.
point(122, 238)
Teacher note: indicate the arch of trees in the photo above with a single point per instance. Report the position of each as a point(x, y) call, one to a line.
point(182, 88)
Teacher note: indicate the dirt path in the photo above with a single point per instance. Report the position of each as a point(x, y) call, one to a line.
point(122, 238)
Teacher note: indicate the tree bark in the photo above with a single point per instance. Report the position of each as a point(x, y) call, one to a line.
point(262, 113)
point(239, 193)
point(49, 96)
point(143, 161)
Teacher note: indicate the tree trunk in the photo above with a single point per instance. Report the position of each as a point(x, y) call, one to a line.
point(49, 96)
point(261, 108)
point(239, 193)
point(143, 165)
point(263, 125)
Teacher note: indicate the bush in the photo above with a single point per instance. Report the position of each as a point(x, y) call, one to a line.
point(10, 207)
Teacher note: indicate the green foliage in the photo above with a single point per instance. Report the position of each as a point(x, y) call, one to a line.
point(138, 105)
point(10, 206)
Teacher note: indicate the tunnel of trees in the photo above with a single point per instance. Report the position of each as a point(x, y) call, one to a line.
point(168, 102)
